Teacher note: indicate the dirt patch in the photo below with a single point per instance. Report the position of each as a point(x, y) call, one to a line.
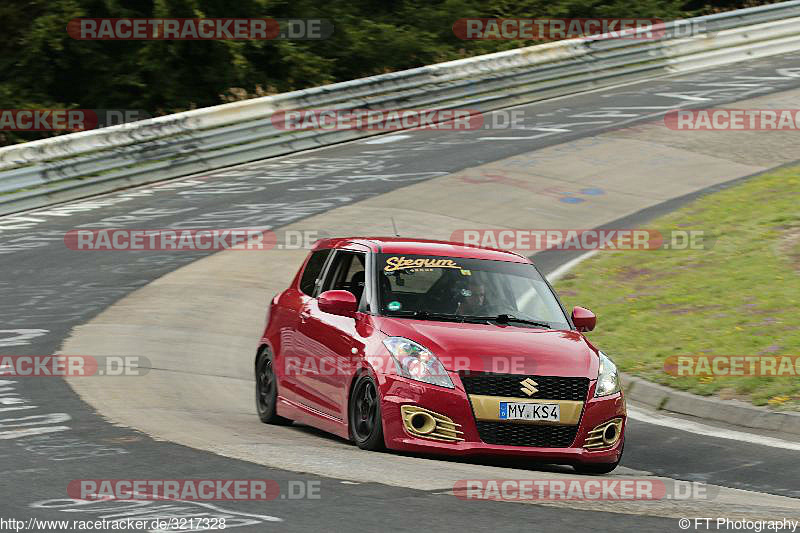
point(679, 309)
point(630, 273)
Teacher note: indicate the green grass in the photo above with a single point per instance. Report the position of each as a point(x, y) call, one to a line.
point(740, 297)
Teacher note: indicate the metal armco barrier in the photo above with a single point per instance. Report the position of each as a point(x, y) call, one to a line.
point(67, 167)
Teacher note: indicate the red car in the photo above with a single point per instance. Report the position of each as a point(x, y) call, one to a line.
point(432, 346)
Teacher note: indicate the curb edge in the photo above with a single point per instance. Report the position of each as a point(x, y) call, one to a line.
point(734, 412)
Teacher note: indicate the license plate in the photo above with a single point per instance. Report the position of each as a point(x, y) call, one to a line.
point(549, 412)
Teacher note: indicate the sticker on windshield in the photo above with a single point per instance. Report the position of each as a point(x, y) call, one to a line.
point(394, 306)
point(401, 263)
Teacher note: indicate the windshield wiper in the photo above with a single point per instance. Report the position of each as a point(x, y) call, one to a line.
point(426, 315)
point(505, 318)
point(500, 319)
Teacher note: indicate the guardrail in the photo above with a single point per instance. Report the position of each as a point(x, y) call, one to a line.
point(76, 165)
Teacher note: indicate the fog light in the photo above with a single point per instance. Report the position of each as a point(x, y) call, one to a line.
point(605, 435)
point(426, 424)
point(610, 434)
point(422, 422)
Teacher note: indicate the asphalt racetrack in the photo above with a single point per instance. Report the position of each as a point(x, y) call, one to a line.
point(575, 147)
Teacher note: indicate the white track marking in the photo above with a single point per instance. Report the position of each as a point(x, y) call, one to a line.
point(684, 97)
point(558, 273)
point(709, 431)
point(387, 139)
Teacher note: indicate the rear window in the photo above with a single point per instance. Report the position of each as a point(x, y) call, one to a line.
point(312, 271)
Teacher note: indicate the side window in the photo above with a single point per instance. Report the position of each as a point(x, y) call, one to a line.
point(347, 273)
point(313, 269)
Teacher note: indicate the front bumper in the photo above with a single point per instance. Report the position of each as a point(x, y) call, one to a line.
point(454, 403)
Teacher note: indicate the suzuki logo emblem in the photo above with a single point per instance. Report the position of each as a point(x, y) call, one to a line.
point(529, 386)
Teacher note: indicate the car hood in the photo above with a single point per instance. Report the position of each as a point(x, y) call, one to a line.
point(505, 349)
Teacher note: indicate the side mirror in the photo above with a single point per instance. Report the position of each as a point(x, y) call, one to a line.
point(341, 303)
point(583, 319)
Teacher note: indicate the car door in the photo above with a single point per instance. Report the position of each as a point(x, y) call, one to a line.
point(295, 303)
point(332, 343)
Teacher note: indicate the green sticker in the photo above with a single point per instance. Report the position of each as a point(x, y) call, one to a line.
point(394, 306)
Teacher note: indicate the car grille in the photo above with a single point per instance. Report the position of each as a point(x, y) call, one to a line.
point(549, 387)
point(507, 434)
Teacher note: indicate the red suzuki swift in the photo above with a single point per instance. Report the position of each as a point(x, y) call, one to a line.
point(431, 346)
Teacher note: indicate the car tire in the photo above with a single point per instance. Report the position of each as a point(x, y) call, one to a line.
point(599, 468)
point(364, 410)
point(267, 390)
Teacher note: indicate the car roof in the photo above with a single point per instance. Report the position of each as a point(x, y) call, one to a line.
point(405, 245)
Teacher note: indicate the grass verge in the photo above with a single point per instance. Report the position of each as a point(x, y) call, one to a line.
point(739, 296)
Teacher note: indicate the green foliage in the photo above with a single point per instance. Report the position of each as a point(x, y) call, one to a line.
point(42, 67)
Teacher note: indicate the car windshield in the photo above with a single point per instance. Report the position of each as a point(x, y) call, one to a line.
point(456, 288)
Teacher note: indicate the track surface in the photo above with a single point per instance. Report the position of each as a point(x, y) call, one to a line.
point(45, 290)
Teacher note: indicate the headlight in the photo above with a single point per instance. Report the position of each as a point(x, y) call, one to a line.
point(417, 362)
point(607, 377)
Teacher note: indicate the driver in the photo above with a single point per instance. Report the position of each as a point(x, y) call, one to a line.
point(472, 298)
